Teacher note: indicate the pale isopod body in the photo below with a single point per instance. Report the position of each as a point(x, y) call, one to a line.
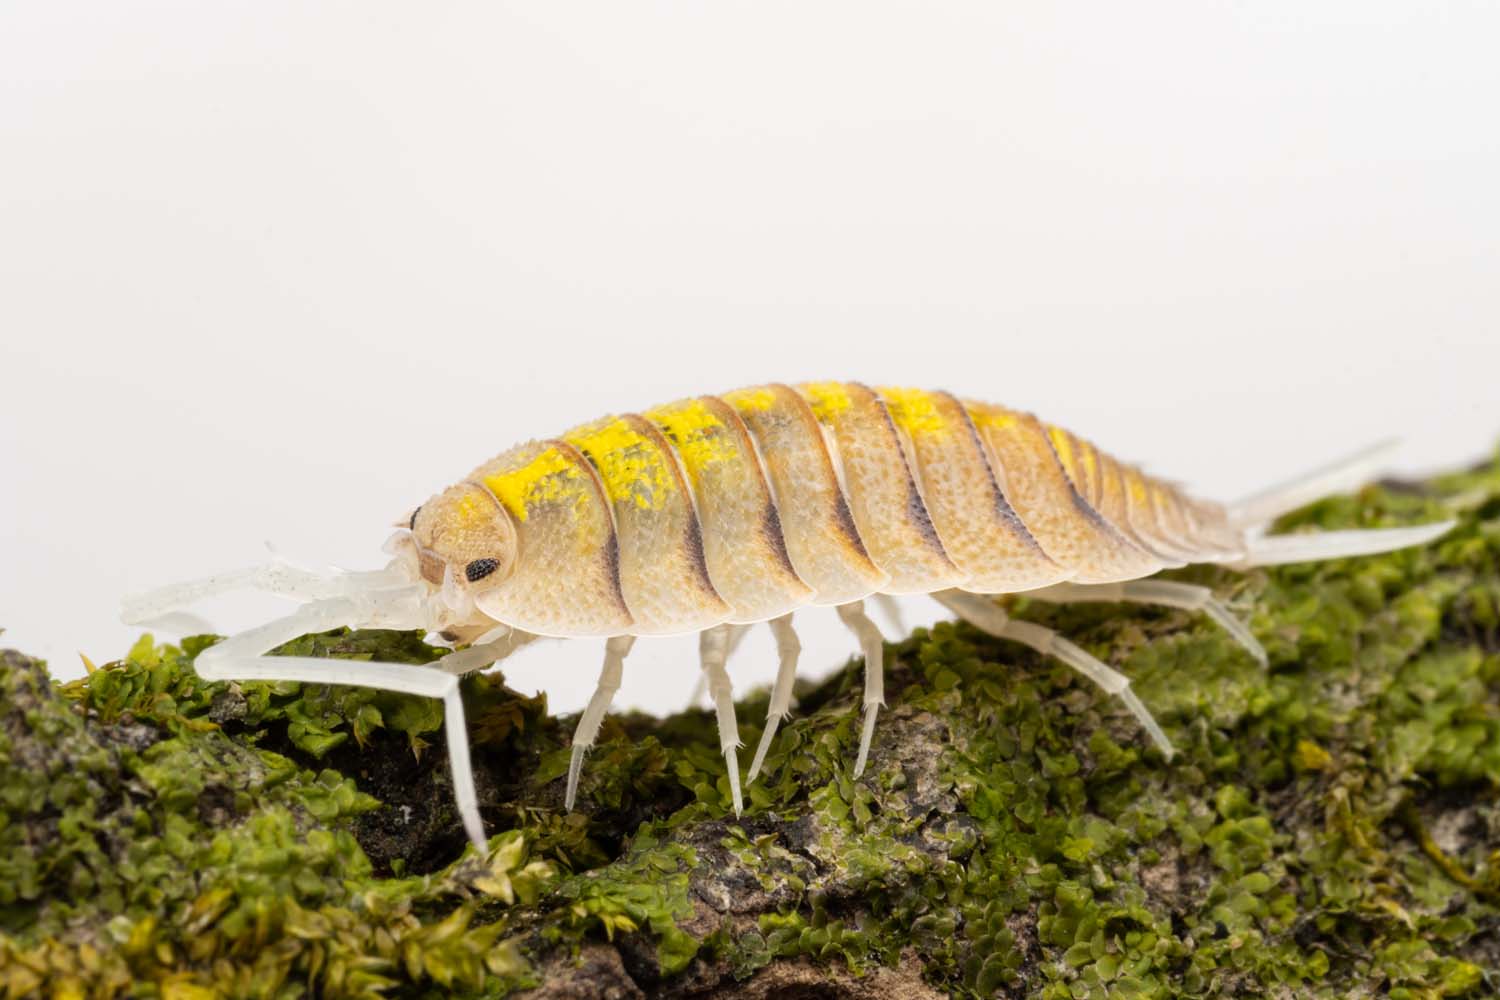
point(718, 512)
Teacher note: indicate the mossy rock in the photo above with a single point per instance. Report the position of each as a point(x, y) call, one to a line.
point(1328, 829)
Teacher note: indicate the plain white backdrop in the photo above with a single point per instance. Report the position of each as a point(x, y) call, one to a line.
point(279, 271)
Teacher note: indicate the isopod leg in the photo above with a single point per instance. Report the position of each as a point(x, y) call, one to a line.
point(982, 613)
point(242, 658)
point(483, 654)
point(1167, 593)
point(700, 686)
point(615, 651)
point(713, 653)
point(891, 609)
point(872, 644)
point(788, 648)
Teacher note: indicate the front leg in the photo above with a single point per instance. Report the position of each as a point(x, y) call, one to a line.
point(242, 658)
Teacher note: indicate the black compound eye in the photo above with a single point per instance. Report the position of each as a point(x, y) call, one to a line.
point(480, 568)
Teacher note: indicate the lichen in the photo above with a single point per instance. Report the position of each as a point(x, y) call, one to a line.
point(1328, 828)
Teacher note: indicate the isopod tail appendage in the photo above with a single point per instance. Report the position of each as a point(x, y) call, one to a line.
point(1255, 513)
point(1277, 550)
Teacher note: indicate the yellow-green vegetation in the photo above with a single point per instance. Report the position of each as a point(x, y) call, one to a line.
point(1329, 827)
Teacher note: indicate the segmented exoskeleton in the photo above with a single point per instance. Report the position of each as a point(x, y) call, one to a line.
point(714, 513)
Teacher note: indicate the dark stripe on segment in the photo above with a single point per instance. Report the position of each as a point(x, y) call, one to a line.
point(770, 517)
point(1086, 469)
point(1001, 503)
point(662, 567)
point(1063, 453)
point(1116, 486)
point(694, 541)
point(844, 517)
point(611, 555)
point(870, 460)
point(1143, 516)
point(921, 517)
point(1080, 502)
point(846, 524)
point(812, 510)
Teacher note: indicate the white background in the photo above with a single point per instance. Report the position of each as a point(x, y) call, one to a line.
point(278, 271)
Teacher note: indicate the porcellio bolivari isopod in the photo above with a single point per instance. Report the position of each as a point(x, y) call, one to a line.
point(714, 513)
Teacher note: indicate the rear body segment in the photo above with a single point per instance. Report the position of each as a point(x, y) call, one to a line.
point(744, 507)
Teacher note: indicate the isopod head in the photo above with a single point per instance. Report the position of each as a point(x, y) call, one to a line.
point(466, 543)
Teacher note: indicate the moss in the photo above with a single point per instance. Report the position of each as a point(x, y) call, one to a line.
point(1329, 827)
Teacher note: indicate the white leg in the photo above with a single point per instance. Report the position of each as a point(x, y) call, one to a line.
point(891, 608)
point(241, 657)
point(787, 649)
point(593, 715)
point(985, 615)
point(872, 643)
point(713, 653)
point(700, 686)
point(483, 654)
point(1168, 593)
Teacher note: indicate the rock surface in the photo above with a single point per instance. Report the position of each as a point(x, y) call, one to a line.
point(1329, 826)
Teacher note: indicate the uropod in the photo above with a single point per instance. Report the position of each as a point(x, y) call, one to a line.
point(715, 513)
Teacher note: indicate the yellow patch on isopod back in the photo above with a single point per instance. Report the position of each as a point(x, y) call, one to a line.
point(547, 478)
point(697, 432)
point(827, 399)
point(630, 466)
point(913, 410)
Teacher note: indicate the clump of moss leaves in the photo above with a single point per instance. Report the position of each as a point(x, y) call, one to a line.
point(1328, 829)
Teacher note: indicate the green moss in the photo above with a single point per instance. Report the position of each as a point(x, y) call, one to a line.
point(1328, 828)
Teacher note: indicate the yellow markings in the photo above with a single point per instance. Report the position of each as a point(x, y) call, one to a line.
point(1166, 507)
point(1090, 462)
point(1063, 445)
point(827, 399)
point(547, 478)
point(700, 436)
point(630, 464)
point(1135, 486)
point(914, 411)
point(993, 420)
point(752, 400)
point(470, 510)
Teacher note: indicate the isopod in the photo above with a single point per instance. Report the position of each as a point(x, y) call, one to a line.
point(714, 513)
